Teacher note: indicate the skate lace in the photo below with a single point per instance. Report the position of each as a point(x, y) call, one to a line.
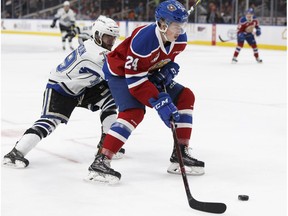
point(106, 162)
point(188, 151)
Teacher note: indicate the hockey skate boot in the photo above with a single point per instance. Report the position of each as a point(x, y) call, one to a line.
point(259, 60)
point(100, 171)
point(192, 165)
point(234, 60)
point(118, 155)
point(15, 159)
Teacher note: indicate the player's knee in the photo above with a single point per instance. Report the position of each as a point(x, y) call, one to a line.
point(43, 127)
point(240, 44)
point(133, 116)
point(186, 99)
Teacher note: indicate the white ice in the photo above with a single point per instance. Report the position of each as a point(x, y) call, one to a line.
point(239, 130)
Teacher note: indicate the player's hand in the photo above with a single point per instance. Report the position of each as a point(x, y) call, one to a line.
point(165, 108)
point(258, 32)
point(242, 36)
point(165, 75)
point(52, 25)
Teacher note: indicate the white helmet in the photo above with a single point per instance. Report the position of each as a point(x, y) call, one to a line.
point(104, 25)
point(66, 3)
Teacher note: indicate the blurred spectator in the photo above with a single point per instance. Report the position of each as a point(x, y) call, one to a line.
point(213, 15)
point(136, 10)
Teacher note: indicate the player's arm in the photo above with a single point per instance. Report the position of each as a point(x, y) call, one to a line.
point(72, 18)
point(257, 27)
point(56, 17)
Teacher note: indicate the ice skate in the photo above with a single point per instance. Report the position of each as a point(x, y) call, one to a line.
point(234, 60)
point(259, 60)
point(192, 165)
point(15, 159)
point(117, 156)
point(100, 171)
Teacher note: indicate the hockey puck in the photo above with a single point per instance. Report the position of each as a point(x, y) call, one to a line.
point(243, 197)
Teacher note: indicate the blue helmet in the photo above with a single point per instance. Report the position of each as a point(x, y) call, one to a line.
point(249, 11)
point(171, 11)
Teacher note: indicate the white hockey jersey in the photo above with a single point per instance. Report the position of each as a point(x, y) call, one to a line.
point(66, 18)
point(81, 69)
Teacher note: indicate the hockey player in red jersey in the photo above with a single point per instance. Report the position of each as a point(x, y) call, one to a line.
point(246, 27)
point(135, 71)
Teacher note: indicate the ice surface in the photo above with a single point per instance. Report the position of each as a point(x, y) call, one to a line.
point(239, 131)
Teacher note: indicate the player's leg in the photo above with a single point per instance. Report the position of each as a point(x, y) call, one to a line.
point(70, 38)
point(99, 98)
point(131, 113)
point(240, 44)
point(252, 42)
point(56, 109)
point(184, 99)
point(63, 30)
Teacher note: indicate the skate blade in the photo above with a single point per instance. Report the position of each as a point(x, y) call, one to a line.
point(174, 168)
point(17, 165)
point(95, 177)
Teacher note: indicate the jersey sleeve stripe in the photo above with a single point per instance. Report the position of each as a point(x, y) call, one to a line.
point(139, 82)
point(136, 75)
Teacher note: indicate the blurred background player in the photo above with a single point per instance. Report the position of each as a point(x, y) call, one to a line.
point(149, 51)
point(245, 28)
point(67, 19)
point(77, 82)
point(82, 32)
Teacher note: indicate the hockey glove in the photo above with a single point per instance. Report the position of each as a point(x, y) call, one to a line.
point(52, 25)
point(165, 75)
point(165, 108)
point(242, 36)
point(258, 31)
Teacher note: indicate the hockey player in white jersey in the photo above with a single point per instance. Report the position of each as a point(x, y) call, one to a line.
point(83, 33)
point(67, 19)
point(76, 82)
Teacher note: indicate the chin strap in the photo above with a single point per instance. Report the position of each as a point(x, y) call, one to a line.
point(163, 31)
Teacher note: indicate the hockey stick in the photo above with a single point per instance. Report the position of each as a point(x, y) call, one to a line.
point(193, 7)
point(211, 207)
point(225, 40)
point(231, 38)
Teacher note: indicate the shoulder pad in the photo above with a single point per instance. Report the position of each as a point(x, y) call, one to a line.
point(145, 41)
point(243, 19)
point(182, 38)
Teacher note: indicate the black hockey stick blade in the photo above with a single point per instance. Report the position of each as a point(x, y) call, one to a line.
point(217, 208)
point(222, 39)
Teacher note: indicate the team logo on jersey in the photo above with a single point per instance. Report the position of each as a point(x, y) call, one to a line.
point(177, 52)
point(159, 64)
point(171, 7)
point(155, 58)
